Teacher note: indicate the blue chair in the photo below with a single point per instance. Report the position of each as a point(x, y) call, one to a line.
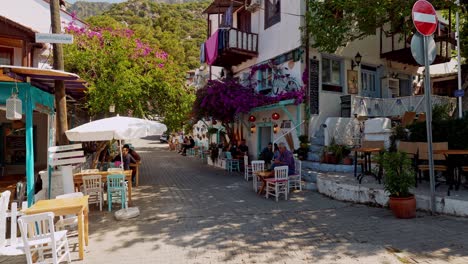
point(231, 163)
point(116, 187)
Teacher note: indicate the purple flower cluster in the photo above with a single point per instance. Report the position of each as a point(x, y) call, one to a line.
point(223, 100)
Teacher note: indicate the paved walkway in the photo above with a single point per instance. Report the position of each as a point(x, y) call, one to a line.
point(194, 213)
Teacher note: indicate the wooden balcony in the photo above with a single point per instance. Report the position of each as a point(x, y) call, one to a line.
point(397, 47)
point(238, 46)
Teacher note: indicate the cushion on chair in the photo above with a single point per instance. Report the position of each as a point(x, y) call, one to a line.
point(275, 180)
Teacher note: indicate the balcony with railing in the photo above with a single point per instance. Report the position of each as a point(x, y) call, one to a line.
point(397, 47)
point(234, 47)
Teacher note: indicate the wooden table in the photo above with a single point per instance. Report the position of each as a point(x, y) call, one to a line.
point(453, 165)
point(67, 206)
point(78, 180)
point(367, 168)
point(264, 175)
point(137, 171)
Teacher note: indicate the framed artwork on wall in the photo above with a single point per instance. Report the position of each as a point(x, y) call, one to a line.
point(352, 77)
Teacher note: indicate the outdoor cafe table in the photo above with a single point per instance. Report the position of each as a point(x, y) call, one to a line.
point(453, 163)
point(67, 206)
point(367, 168)
point(263, 175)
point(78, 179)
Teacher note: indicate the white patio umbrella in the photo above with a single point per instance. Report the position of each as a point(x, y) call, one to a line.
point(117, 127)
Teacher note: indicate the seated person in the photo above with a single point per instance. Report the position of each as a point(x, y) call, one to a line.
point(285, 158)
point(126, 157)
point(191, 144)
point(267, 154)
point(132, 152)
point(233, 149)
point(243, 148)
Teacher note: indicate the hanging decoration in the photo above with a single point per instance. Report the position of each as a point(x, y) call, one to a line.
point(252, 118)
point(275, 116)
point(14, 106)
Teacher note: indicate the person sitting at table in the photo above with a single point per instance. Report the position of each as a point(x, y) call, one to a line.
point(132, 152)
point(243, 148)
point(285, 158)
point(189, 145)
point(267, 154)
point(233, 148)
point(126, 157)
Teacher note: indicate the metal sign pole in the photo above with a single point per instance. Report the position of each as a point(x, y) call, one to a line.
point(427, 93)
point(457, 33)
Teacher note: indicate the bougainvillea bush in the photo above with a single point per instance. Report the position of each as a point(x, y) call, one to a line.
point(128, 72)
point(224, 100)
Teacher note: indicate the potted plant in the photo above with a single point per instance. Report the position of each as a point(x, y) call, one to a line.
point(303, 149)
point(399, 178)
point(334, 152)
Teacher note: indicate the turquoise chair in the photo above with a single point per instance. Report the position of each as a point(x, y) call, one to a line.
point(231, 163)
point(116, 186)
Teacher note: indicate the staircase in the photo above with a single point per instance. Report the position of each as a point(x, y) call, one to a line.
point(316, 146)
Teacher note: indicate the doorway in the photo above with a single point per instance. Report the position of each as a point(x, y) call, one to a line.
point(264, 137)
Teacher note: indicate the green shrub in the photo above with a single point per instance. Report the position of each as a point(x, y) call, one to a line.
point(398, 173)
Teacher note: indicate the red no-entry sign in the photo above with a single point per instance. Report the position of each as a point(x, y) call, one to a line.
point(424, 17)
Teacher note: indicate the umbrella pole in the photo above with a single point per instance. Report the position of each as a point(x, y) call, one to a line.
point(121, 155)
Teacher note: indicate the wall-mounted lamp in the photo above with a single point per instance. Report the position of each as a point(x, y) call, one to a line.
point(356, 61)
point(275, 128)
point(253, 128)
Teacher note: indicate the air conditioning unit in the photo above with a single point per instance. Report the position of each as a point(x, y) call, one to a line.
point(253, 6)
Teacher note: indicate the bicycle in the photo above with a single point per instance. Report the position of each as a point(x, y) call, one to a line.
point(284, 81)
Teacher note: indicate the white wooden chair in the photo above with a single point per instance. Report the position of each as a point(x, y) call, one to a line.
point(279, 184)
point(295, 179)
point(12, 246)
point(39, 235)
point(257, 166)
point(247, 168)
point(92, 186)
point(69, 220)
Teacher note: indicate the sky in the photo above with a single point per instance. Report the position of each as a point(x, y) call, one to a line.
point(109, 1)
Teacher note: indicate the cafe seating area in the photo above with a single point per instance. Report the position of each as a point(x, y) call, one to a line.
point(266, 182)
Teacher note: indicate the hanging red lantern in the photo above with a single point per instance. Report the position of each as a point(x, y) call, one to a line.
point(252, 118)
point(275, 116)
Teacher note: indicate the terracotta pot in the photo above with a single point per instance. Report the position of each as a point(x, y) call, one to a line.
point(403, 207)
point(347, 161)
point(331, 159)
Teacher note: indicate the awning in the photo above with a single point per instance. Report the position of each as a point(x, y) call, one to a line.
point(220, 6)
point(44, 79)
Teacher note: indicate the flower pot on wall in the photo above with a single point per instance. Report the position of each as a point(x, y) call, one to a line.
point(403, 207)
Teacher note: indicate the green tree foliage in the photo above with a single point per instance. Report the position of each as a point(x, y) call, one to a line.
point(125, 71)
point(334, 23)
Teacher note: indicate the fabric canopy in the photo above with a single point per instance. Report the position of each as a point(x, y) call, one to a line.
point(118, 127)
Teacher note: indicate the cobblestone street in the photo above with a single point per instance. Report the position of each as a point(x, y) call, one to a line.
point(194, 213)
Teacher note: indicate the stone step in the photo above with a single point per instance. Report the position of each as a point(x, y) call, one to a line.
point(316, 148)
point(320, 141)
point(325, 167)
point(311, 156)
point(312, 186)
